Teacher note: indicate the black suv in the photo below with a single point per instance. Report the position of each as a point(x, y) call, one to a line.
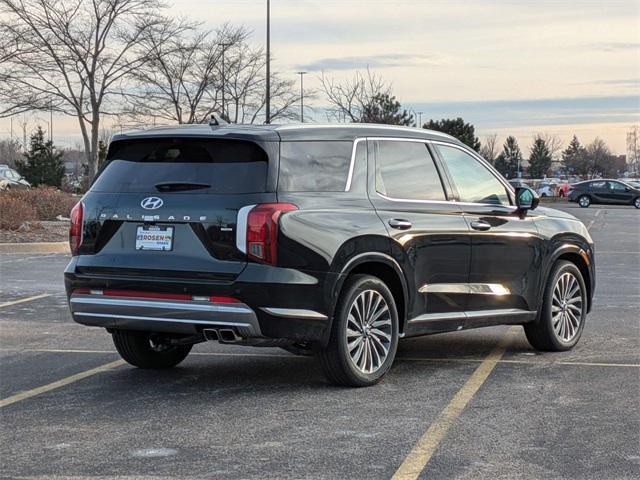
point(604, 191)
point(332, 240)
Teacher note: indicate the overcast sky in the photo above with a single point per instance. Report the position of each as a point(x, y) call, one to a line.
point(516, 67)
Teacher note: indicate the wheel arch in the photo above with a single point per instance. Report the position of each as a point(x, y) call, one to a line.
point(581, 259)
point(384, 267)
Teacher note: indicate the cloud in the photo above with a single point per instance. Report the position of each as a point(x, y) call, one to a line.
point(616, 46)
point(372, 61)
point(549, 111)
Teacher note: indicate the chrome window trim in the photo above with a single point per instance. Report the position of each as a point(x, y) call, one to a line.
point(353, 162)
point(484, 163)
point(241, 228)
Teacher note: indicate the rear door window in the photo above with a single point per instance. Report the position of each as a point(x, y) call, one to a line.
point(213, 166)
point(405, 170)
point(321, 166)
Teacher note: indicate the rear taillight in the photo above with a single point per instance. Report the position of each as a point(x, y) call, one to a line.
point(262, 231)
point(75, 229)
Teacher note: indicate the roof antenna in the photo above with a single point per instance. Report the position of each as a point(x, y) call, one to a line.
point(216, 122)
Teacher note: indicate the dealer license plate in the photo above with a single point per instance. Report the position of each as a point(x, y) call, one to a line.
point(154, 238)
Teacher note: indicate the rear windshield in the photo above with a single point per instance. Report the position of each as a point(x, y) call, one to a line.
point(184, 166)
point(314, 166)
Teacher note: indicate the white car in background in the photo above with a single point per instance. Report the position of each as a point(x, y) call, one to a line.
point(545, 190)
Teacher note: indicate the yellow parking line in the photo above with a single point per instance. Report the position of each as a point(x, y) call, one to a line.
point(26, 299)
point(422, 452)
point(59, 383)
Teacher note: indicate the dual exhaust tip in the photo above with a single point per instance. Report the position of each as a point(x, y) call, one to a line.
point(222, 335)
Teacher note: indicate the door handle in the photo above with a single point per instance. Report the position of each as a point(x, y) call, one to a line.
point(480, 225)
point(399, 224)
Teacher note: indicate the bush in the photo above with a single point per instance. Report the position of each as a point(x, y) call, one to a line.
point(41, 203)
point(14, 212)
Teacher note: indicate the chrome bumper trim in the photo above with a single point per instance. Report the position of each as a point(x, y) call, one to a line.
point(294, 313)
point(162, 315)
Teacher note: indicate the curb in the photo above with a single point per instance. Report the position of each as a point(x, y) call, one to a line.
point(35, 247)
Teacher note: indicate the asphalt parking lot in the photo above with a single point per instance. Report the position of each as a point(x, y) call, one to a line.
point(473, 404)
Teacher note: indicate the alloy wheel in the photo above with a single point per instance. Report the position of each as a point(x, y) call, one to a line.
point(369, 331)
point(636, 202)
point(584, 201)
point(566, 307)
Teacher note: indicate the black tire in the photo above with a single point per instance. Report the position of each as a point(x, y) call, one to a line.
point(584, 201)
point(335, 359)
point(301, 349)
point(541, 333)
point(636, 202)
point(141, 350)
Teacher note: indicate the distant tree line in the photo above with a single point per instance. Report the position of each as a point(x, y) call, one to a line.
point(129, 60)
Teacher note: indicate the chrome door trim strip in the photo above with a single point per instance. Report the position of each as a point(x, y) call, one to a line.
point(431, 317)
point(294, 313)
point(466, 288)
point(502, 312)
point(471, 314)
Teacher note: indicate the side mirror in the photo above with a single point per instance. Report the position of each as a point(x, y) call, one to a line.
point(526, 199)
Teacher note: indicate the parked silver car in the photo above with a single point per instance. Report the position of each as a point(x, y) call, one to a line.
point(10, 179)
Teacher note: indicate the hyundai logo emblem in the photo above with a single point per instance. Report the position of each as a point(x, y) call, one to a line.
point(151, 203)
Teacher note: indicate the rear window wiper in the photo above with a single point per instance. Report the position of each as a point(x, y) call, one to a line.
point(180, 186)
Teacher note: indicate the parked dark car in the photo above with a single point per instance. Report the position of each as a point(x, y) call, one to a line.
point(604, 191)
point(10, 179)
point(335, 241)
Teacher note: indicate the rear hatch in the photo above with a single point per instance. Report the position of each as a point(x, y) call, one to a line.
point(169, 207)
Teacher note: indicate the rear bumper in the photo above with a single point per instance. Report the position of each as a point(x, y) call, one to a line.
point(276, 303)
point(174, 316)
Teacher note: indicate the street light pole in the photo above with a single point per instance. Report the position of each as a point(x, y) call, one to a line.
point(224, 49)
point(420, 119)
point(268, 92)
point(302, 74)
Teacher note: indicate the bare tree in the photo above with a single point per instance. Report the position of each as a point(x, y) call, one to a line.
point(72, 56)
point(10, 151)
point(182, 80)
point(490, 148)
point(349, 100)
point(185, 77)
point(554, 144)
point(245, 89)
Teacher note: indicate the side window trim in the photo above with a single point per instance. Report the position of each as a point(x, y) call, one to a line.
point(444, 181)
point(352, 163)
point(508, 188)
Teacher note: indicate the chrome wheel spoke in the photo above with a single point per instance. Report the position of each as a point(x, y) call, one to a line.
point(566, 307)
point(354, 344)
point(369, 331)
